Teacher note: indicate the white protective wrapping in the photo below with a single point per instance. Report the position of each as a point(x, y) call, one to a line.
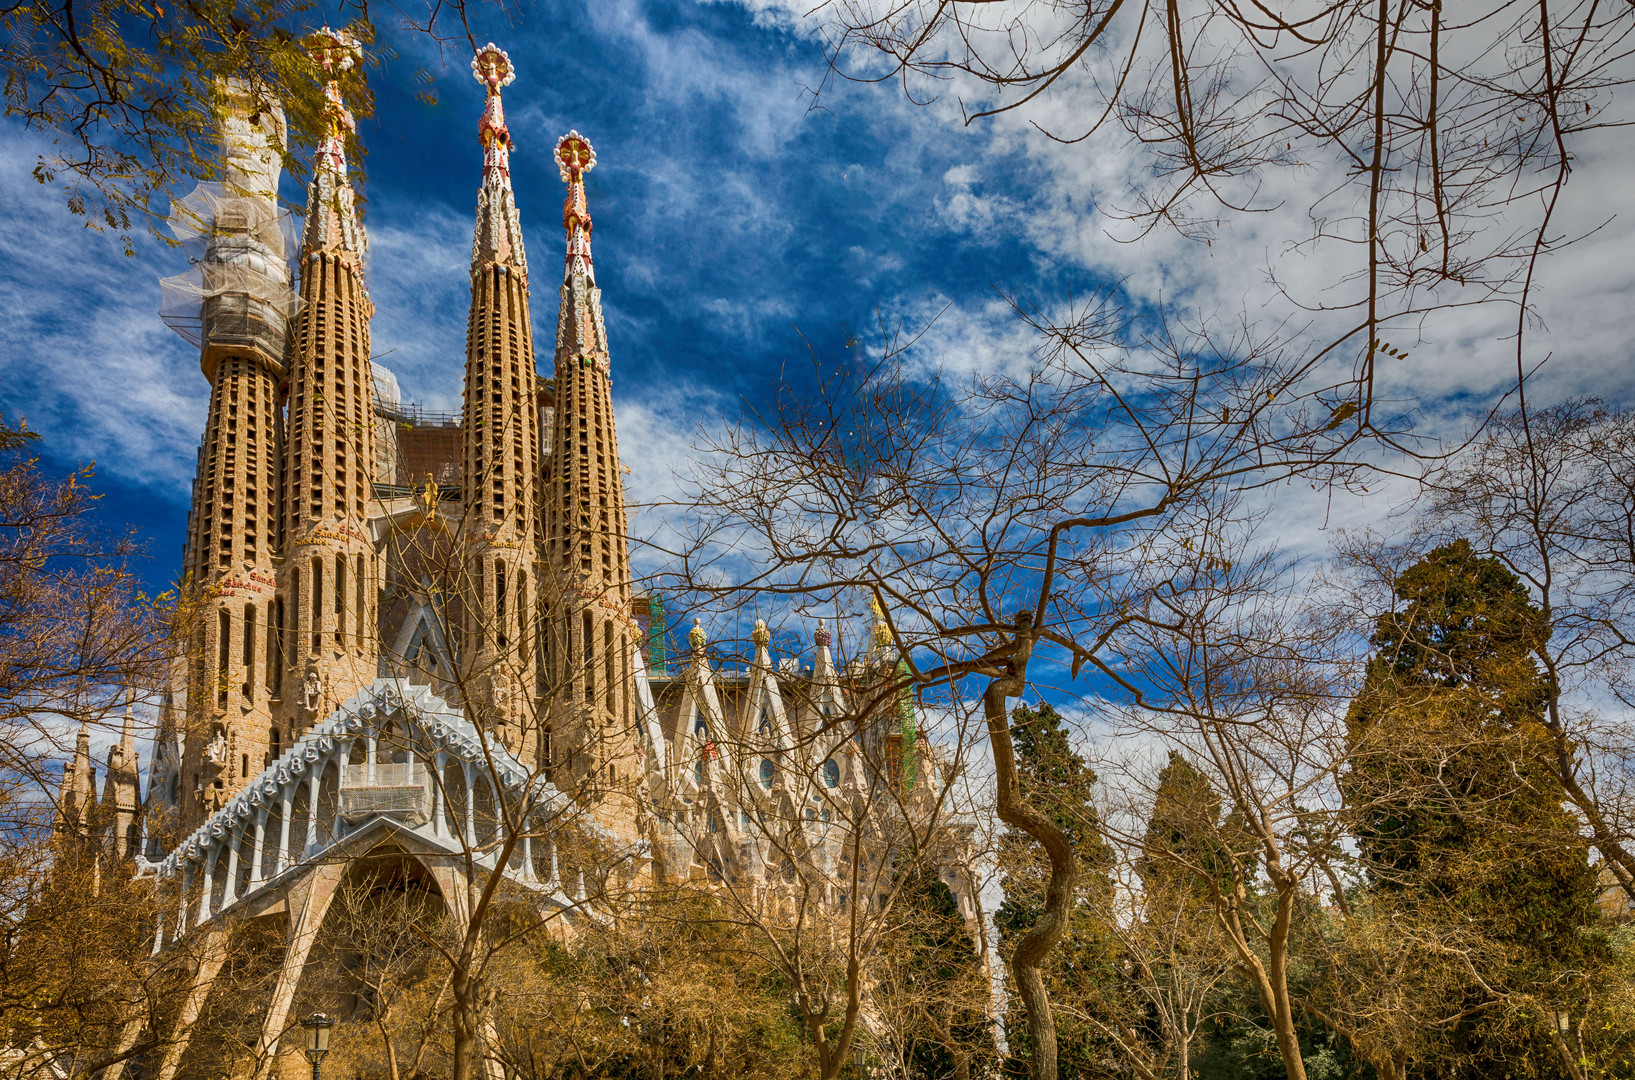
point(237, 292)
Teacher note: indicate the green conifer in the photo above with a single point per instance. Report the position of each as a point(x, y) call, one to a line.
point(1456, 809)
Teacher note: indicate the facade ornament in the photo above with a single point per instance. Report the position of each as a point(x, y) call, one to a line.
point(761, 636)
point(696, 637)
point(823, 638)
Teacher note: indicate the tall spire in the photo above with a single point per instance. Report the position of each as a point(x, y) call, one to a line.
point(498, 239)
point(324, 625)
point(332, 217)
point(585, 528)
point(500, 435)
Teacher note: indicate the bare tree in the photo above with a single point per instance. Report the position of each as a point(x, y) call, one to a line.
point(1227, 676)
point(1007, 526)
point(76, 629)
point(1442, 143)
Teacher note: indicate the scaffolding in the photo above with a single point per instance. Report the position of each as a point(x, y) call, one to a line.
point(414, 444)
point(237, 295)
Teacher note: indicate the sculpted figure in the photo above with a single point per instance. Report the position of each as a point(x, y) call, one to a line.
point(312, 690)
point(216, 752)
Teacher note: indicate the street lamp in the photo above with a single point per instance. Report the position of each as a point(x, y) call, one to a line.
point(317, 1026)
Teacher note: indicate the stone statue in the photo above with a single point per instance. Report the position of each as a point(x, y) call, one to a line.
point(429, 496)
point(312, 691)
point(502, 694)
point(216, 752)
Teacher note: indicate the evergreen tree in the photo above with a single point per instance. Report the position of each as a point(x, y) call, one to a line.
point(1455, 808)
point(1183, 849)
point(941, 992)
point(1083, 970)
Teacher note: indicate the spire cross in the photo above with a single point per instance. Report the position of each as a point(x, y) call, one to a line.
point(493, 68)
point(334, 51)
point(575, 158)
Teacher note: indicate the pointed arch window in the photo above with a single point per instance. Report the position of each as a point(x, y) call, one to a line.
point(831, 773)
point(769, 772)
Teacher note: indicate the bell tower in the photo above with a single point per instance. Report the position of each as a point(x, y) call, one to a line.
point(327, 583)
point(586, 544)
point(243, 294)
point(499, 441)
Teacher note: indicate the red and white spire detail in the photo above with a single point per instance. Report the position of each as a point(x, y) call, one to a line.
point(492, 67)
point(332, 217)
point(498, 240)
point(574, 158)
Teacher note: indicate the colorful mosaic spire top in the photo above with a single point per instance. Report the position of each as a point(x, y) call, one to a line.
point(575, 158)
point(334, 51)
point(332, 220)
point(493, 68)
point(498, 239)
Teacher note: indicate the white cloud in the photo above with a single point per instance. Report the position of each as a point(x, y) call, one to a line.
point(82, 345)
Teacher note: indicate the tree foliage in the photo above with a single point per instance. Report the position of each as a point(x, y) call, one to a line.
point(129, 92)
point(1458, 809)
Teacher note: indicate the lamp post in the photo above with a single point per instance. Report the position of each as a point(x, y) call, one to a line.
point(317, 1026)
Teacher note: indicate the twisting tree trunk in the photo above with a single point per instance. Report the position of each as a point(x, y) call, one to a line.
point(1015, 811)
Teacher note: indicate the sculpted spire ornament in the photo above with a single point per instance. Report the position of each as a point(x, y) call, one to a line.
point(332, 219)
point(575, 158)
point(492, 67)
point(498, 240)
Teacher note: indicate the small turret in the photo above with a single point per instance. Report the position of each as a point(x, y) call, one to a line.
point(121, 790)
point(76, 793)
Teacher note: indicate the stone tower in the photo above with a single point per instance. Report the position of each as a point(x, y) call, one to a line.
point(585, 545)
point(327, 580)
point(499, 440)
point(243, 302)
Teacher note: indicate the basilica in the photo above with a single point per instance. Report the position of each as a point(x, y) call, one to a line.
point(415, 637)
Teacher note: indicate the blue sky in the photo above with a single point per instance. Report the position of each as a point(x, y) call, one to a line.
point(735, 222)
